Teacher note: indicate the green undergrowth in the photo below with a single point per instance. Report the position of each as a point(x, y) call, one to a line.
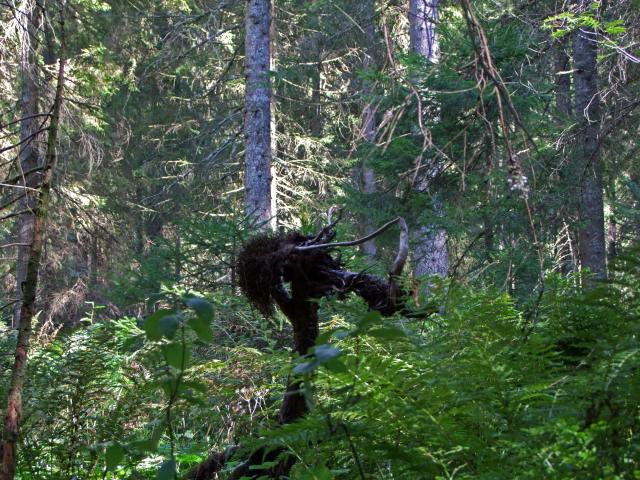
point(478, 390)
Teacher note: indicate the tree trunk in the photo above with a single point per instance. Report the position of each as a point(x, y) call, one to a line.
point(430, 252)
point(258, 181)
point(423, 16)
point(561, 67)
point(316, 86)
point(29, 155)
point(591, 208)
point(612, 226)
point(30, 285)
point(364, 176)
point(562, 80)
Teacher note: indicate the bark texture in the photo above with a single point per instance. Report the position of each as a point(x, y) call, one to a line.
point(562, 79)
point(364, 176)
point(591, 208)
point(423, 17)
point(259, 180)
point(30, 159)
point(562, 67)
point(30, 285)
point(430, 252)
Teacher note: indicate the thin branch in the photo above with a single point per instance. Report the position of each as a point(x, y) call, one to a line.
point(14, 214)
point(403, 248)
point(8, 304)
point(26, 139)
point(21, 187)
point(23, 175)
point(329, 228)
point(12, 201)
point(352, 243)
point(15, 245)
point(2, 127)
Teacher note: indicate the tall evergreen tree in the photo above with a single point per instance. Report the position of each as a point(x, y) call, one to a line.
point(13, 411)
point(430, 251)
point(30, 158)
point(364, 175)
point(259, 182)
point(591, 206)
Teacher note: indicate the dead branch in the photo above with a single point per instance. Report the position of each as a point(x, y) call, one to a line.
point(289, 271)
point(353, 243)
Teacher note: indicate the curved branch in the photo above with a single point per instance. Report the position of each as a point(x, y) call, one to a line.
point(403, 248)
point(352, 243)
point(327, 232)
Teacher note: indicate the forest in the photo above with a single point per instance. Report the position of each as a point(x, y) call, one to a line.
point(321, 239)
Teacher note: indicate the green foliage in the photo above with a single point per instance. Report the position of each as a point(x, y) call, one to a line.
point(500, 384)
point(480, 391)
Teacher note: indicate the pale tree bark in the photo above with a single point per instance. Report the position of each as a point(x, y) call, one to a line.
point(430, 251)
point(612, 226)
point(29, 157)
point(315, 110)
point(591, 208)
point(364, 176)
point(259, 183)
point(13, 411)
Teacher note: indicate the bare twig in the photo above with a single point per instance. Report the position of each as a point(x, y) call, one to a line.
point(353, 243)
point(15, 245)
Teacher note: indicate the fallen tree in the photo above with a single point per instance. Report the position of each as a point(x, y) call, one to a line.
point(291, 271)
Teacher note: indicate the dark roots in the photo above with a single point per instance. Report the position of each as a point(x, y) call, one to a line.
point(292, 271)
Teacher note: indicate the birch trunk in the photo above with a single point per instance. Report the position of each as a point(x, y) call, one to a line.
point(258, 181)
point(14, 398)
point(591, 208)
point(430, 252)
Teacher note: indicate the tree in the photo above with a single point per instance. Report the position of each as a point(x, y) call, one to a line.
point(587, 151)
point(363, 175)
point(30, 159)
point(259, 183)
point(13, 411)
point(431, 255)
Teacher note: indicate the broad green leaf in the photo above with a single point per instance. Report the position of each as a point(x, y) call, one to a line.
point(151, 443)
point(114, 455)
point(263, 465)
point(370, 318)
point(336, 366)
point(203, 309)
point(194, 385)
point(326, 352)
point(177, 355)
point(151, 324)
point(193, 400)
point(306, 367)
point(168, 385)
point(131, 341)
point(319, 472)
point(202, 328)
point(169, 324)
point(389, 333)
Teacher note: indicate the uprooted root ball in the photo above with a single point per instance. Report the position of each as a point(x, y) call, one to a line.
point(268, 261)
